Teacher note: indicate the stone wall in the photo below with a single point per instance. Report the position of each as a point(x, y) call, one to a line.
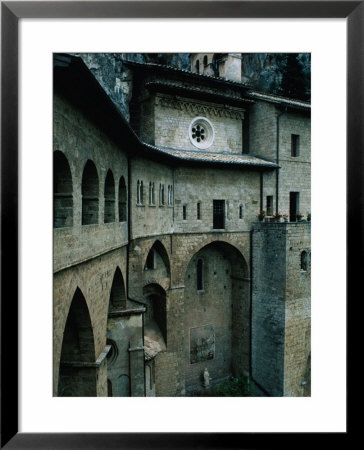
point(80, 141)
point(295, 172)
point(297, 360)
point(280, 307)
point(150, 219)
point(94, 279)
point(224, 292)
point(174, 116)
point(199, 185)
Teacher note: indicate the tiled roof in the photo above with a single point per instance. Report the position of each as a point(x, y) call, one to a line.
point(249, 93)
point(168, 86)
point(212, 157)
point(189, 73)
point(278, 99)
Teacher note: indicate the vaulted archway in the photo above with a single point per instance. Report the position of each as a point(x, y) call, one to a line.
point(157, 265)
point(118, 332)
point(217, 311)
point(77, 376)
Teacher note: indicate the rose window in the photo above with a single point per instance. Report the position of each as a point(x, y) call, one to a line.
point(201, 132)
point(198, 133)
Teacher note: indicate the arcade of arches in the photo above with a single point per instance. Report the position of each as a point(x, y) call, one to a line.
point(162, 341)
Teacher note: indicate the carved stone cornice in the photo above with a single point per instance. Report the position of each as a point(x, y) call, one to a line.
point(198, 108)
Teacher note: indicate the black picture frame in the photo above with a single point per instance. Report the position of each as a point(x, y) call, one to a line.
point(11, 12)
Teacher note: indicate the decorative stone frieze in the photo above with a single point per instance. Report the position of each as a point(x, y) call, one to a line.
point(198, 108)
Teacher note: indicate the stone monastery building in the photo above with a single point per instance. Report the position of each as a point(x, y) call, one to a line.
point(161, 266)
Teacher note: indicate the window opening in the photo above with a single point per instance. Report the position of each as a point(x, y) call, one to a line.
point(198, 211)
point(295, 145)
point(293, 206)
point(90, 194)
point(109, 208)
point(62, 190)
point(219, 214)
point(304, 260)
point(240, 211)
point(270, 205)
point(122, 200)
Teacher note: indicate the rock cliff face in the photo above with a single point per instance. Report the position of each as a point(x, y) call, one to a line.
point(117, 79)
point(264, 71)
point(268, 72)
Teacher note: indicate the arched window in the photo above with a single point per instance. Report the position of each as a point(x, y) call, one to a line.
point(153, 195)
point(199, 269)
point(109, 210)
point(205, 60)
point(122, 200)
point(198, 211)
point(140, 193)
point(304, 260)
point(198, 66)
point(62, 190)
point(90, 194)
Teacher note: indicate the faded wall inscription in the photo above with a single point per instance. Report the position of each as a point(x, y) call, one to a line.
point(202, 344)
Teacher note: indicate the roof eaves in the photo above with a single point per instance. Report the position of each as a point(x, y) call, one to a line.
point(200, 76)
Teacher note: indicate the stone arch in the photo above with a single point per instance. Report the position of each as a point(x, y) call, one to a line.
point(117, 293)
point(62, 191)
point(77, 376)
point(157, 253)
point(217, 317)
point(109, 194)
point(117, 334)
point(90, 194)
point(229, 249)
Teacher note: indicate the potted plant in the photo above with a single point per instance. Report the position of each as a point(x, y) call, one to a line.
point(285, 217)
point(308, 217)
point(261, 215)
point(299, 216)
point(277, 216)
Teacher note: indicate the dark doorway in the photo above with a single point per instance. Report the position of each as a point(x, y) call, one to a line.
point(293, 206)
point(219, 214)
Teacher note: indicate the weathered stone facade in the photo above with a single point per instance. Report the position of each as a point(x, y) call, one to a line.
point(160, 267)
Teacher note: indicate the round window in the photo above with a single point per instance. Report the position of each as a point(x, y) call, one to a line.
point(113, 352)
point(201, 132)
